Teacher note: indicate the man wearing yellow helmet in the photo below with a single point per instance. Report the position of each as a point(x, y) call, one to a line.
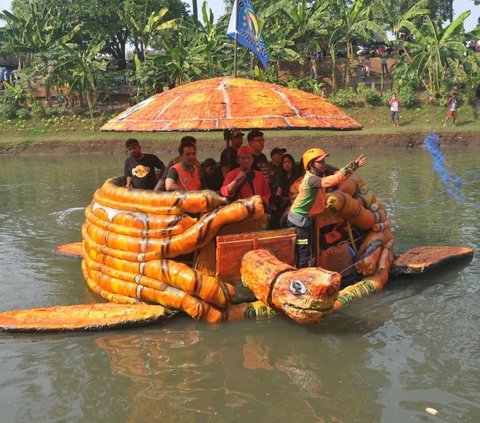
point(311, 197)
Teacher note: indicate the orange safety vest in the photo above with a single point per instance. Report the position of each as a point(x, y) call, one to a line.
point(191, 181)
point(310, 201)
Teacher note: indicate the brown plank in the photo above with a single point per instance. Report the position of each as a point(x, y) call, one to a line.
point(423, 259)
point(73, 249)
point(82, 317)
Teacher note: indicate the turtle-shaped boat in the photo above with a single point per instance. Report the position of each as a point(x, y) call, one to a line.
point(149, 258)
point(151, 254)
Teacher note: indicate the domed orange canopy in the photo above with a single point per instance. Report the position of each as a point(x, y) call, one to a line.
point(223, 103)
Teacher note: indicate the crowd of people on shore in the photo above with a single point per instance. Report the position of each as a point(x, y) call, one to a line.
point(292, 192)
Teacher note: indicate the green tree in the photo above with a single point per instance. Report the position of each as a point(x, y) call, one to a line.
point(303, 21)
point(99, 19)
point(437, 9)
point(36, 34)
point(83, 65)
point(148, 24)
point(438, 54)
point(199, 51)
point(352, 23)
point(393, 14)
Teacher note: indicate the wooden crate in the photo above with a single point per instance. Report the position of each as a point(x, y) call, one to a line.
point(231, 249)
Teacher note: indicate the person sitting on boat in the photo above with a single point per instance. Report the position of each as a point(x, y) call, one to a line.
point(280, 200)
point(311, 197)
point(186, 174)
point(212, 174)
point(140, 167)
point(161, 182)
point(244, 181)
point(275, 166)
point(292, 194)
point(228, 157)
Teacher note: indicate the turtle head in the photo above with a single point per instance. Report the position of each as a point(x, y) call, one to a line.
point(306, 295)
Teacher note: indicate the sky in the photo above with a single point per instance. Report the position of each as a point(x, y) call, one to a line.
point(218, 9)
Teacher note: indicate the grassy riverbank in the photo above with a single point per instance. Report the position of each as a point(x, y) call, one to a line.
point(71, 133)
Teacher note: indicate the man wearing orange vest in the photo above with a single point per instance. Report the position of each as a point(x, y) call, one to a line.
point(185, 175)
point(311, 197)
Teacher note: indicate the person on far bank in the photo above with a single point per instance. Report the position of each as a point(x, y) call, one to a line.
point(384, 62)
point(140, 167)
point(367, 66)
point(312, 63)
point(394, 104)
point(186, 174)
point(310, 200)
point(452, 106)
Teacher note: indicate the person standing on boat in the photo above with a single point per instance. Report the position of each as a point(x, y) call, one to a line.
point(244, 181)
point(140, 167)
point(228, 158)
point(188, 139)
point(256, 141)
point(311, 197)
point(186, 174)
point(212, 174)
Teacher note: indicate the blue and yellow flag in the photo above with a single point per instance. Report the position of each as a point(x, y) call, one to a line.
point(245, 22)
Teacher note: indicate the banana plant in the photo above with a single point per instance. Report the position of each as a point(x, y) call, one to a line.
point(354, 21)
point(304, 22)
point(36, 34)
point(179, 66)
point(146, 28)
point(438, 54)
point(390, 12)
point(83, 66)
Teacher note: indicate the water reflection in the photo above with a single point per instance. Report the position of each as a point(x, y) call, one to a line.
point(196, 371)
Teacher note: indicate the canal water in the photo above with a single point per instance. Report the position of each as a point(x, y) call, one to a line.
point(415, 346)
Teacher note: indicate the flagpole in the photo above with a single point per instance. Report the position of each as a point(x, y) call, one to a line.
point(235, 5)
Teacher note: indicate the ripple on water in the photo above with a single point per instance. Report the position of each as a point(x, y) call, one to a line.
point(64, 217)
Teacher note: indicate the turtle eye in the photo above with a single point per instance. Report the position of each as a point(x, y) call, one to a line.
point(297, 288)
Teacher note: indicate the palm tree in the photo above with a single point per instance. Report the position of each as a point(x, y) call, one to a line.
point(197, 52)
